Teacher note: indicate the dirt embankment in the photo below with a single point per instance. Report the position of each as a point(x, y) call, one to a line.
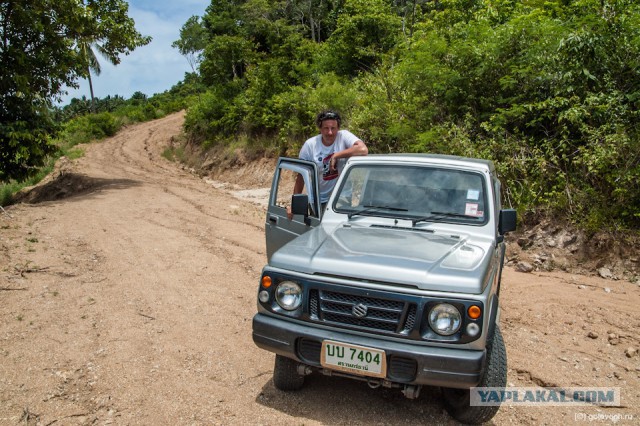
point(128, 284)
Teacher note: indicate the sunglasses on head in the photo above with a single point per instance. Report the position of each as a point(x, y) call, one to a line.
point(329, 116)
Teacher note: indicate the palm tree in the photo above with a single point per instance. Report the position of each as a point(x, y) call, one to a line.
point(86, 48)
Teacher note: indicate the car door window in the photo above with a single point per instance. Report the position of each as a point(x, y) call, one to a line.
point(286, 179)
point(279, 229)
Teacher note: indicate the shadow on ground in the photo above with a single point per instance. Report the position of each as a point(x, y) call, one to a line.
point(67, 185)
point(333, 400)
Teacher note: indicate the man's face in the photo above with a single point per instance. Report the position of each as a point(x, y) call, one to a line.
point(329, 131)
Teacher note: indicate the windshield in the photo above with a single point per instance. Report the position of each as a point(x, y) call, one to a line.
point(419, 194)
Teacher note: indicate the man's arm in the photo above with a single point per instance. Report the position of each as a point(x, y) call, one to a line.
point(358, 148)
point(299, 185)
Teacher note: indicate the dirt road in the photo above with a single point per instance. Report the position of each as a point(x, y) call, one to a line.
point(127, 292)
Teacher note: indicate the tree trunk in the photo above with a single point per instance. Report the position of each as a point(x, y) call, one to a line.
point(93, 101)
point(312, 23)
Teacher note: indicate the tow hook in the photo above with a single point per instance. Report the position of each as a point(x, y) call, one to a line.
point(374, 384)
point(304, 370)
point(411, 391)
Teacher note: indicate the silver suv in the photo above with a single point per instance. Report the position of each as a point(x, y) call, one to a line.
point(395, 283)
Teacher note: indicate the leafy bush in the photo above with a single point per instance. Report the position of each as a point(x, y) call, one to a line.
point(89, 127)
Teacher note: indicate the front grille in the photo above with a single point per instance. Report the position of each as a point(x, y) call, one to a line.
point(382, 315)
point(313, 304)
point(411, 319)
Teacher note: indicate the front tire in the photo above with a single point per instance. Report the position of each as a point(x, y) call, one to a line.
point(285, 374)
point(457, 401)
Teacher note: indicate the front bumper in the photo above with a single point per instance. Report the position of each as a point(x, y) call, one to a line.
point(408, 363)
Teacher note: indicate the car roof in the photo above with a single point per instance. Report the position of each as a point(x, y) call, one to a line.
point(436, 159)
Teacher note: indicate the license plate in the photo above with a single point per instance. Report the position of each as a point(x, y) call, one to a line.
point(353, 359)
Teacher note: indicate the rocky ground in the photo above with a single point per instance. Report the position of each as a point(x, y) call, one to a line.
point(128, 284)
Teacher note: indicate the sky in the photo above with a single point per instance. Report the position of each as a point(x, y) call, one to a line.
point(150, 69)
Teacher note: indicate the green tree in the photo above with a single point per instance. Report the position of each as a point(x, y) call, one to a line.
point(549, 89)
point(39, 50)
point(193, 40)
point(316, 18)
point(366, 30)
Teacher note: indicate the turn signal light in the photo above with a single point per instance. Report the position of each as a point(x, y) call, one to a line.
point(474, 312)
point(266, 281)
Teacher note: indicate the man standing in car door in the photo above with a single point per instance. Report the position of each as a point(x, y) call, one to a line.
point(326, 150)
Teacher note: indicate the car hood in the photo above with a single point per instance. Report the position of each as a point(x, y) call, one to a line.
point(424, 259)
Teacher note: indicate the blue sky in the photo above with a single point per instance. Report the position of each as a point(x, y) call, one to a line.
point(153, 68)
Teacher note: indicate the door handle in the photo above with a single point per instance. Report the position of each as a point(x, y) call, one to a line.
point(273, 219)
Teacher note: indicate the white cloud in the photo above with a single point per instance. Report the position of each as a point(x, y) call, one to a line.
point(153, 68)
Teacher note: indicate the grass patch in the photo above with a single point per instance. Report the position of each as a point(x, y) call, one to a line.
point(74, 153)
point(174, 153)
point(6, 192)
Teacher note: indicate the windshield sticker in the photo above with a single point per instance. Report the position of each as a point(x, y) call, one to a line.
point(471, 209)
point(473, 194)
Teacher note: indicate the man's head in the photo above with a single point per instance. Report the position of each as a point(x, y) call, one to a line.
point(329, 123)
point(328, 115)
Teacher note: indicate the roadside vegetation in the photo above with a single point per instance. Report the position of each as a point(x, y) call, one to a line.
point(77, 124)
point(549, 90)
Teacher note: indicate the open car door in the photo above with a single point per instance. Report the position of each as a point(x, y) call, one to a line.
point(279, 230)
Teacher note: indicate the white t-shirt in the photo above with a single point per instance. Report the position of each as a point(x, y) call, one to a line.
point(314, 150)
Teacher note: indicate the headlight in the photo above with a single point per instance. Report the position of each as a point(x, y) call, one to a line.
point(289, 295)
point(445, 319)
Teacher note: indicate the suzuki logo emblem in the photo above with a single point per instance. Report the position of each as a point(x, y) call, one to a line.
point(360, 310)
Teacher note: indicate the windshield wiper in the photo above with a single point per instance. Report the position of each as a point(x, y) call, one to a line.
point(439, 215)
point(373, 209)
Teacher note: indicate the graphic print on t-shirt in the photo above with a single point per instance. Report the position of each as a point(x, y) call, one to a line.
point(314, 150)
point(327, 173)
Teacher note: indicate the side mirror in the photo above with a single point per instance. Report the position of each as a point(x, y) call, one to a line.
point(300, 205)
point(507, 221)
